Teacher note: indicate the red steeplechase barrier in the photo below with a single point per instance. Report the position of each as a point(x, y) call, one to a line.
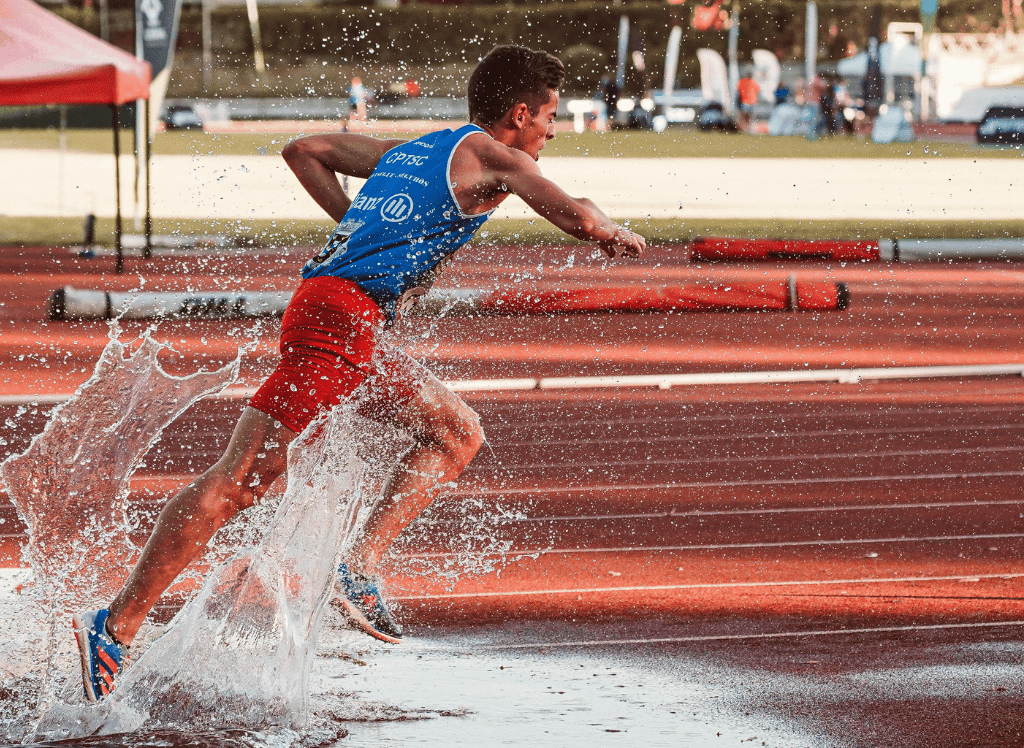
point(779, 296)
point(717, 249)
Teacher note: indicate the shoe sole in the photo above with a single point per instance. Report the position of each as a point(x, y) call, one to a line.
point(82, 637)
point(364, 624)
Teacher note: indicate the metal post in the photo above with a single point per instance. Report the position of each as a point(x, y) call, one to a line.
point(929, 9)
point(622, 52)
point(136, 182)
point(137, 135)
point(148, 251)
point(207, 48)
point(62, 149)
point(734, 62)
point(810, 47)
point(119, 267)
point(104, 20)
point(257, 40)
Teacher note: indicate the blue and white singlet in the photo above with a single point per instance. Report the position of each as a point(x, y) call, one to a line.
point(402, 224)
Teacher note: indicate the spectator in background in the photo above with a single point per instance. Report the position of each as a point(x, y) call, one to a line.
point(608, 90)
point(357, 100)
point(827, 105)
point(843, 103)
point(747, 90)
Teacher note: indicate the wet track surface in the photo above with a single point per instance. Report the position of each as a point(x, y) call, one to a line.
point(810, 564)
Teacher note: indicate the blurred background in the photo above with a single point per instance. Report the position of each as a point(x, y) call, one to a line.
point(833, 67)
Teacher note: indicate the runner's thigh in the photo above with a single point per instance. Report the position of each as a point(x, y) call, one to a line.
point(405, 393)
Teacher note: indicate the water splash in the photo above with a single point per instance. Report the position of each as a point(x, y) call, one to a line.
point(477, 541)
point(240, 652)
point(238, 656)
point(78, 469)
point(81, 464)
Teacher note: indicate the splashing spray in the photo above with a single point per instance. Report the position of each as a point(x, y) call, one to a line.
point(79, 468)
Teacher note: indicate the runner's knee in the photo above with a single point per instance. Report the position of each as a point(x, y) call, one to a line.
point(238, 490)
point(460, 437)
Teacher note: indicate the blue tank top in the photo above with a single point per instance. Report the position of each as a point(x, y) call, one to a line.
point(403, 223)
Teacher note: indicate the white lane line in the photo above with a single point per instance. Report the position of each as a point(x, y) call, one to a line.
point(736, 512)
point(805, 457)
point(702, 513)
point(844, 376)
point(780, 418)
point(661, 381)
point(684, 438)
point(855, 507)
point(715, 586)
point(735, 546)
point(740, 637)
point(739, 484)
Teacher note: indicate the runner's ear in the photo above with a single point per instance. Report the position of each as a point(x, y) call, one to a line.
point(520, 114)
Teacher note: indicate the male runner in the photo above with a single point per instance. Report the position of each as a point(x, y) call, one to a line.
point(422, 200)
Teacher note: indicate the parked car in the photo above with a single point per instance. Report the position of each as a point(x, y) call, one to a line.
point(182, 117)
point(713, 117)
point(1003, 125)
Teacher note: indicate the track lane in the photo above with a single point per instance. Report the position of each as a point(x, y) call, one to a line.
point(876, 501)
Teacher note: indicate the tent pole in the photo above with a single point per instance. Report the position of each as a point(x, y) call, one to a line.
point(119, 267)
point(148, 251)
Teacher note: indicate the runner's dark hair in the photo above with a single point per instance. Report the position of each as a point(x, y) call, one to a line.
point(510, 75)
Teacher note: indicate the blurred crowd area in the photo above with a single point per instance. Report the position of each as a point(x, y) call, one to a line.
point(314, 48)
point(398, 59)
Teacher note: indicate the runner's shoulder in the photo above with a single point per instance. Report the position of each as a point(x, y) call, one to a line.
point(498, 156)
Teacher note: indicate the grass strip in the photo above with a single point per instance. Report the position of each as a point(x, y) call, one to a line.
point(674, 143)
point(44, 231)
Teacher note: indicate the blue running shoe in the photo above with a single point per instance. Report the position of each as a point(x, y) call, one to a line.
point(102, 658)
point(362, 601)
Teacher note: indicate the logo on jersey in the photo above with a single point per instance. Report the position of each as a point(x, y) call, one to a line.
point(409, 159)
point(363, 202)
point(396, 208)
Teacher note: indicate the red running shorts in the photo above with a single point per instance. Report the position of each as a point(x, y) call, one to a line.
point(329, 347)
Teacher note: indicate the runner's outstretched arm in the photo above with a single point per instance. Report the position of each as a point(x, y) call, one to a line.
point(578, 217)
point(318, 159)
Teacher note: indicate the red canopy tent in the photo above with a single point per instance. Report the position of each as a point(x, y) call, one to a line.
point(46, 60)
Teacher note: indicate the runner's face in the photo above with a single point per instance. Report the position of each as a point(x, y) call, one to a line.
point(538, 130)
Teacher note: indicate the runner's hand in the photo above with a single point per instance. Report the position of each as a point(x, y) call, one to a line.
point(626, 242)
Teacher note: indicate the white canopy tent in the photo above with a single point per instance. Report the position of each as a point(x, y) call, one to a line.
point(902, 59)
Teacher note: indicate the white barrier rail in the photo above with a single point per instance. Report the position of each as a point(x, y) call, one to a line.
point(660, 381)
point(947, 250)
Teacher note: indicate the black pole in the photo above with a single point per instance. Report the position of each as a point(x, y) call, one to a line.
point(119, 267)
point(874, 82)
point(148, 251)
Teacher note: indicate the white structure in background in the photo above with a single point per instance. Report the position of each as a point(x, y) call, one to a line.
point(958, 63)
point(675, 37)
point(714, 79)
point(767, 74)
point(899, 56)
point(962, 70)
point(976, 101)
point(676, 106)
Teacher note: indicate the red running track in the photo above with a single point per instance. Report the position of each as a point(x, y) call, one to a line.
point(889, 503)
point(873, 504)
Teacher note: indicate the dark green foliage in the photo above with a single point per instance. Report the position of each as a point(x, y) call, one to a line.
point(424, 33)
